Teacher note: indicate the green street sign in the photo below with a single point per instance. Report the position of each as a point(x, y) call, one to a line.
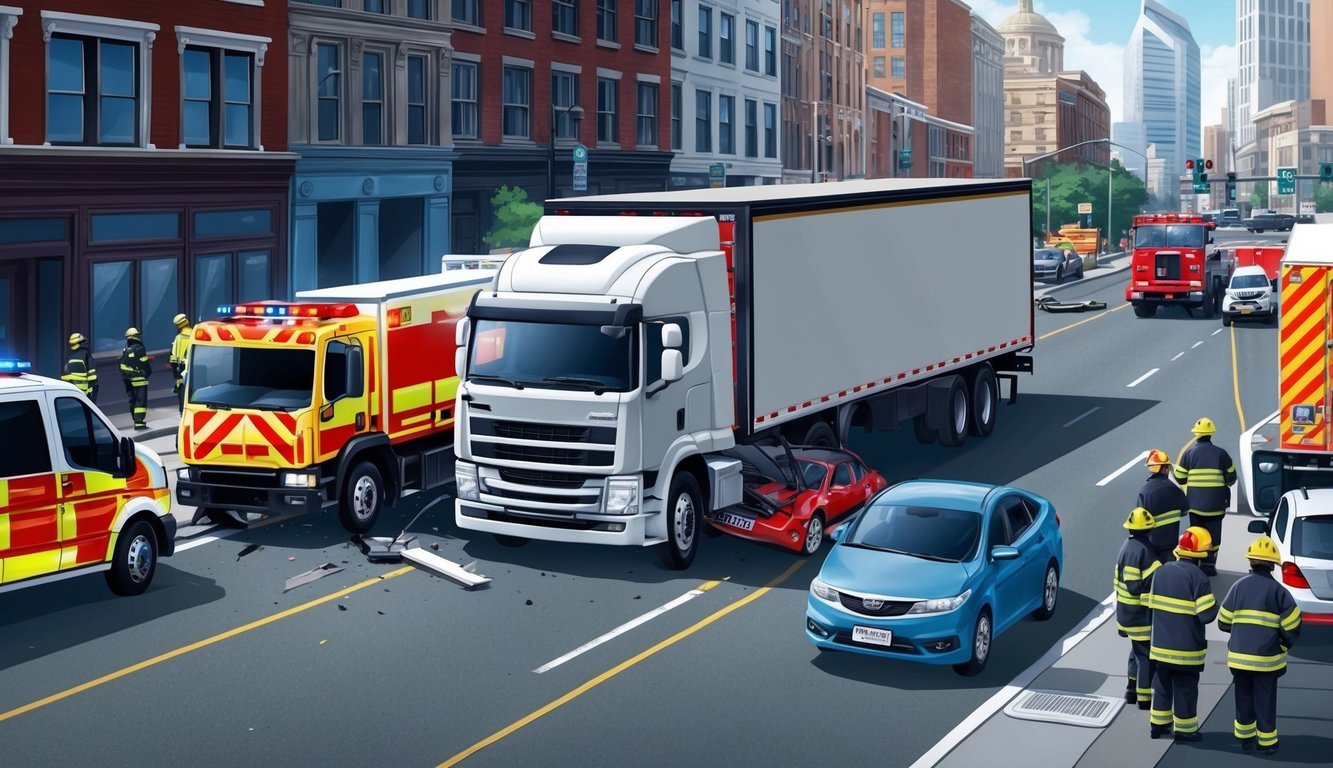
point(1202, 188)
point(905, 159)
point(1286, 181)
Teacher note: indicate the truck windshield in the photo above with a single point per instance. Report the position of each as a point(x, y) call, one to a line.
point(1170, 236)
point(263, 378)
point(563, 355)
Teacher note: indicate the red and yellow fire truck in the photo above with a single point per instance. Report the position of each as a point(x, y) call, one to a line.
point(345, 396)
point(1173, 264)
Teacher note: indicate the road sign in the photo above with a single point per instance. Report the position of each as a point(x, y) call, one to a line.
point(717, 175)
point(1084, 208)
point(580, 168)
point(1286, 181)
point(1201, 187)
point(905, 159)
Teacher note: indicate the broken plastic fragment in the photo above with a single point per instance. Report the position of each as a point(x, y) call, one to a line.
point(252, 548)
point(314, 574)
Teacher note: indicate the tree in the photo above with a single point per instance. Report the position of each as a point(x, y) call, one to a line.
point(1323, 199)
point(1074, 183)
point(1259, 197)
point(514, 218)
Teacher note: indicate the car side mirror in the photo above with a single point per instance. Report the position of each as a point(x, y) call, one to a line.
point(673, 365)
point(125, 458)
point(1003, 553)
point(1258, 526)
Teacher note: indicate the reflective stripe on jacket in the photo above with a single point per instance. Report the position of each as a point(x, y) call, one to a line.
point(1207, 473)
point(180, 352)
point(1264, 621)
point(1181, 601)
point(1133, 576)
point(1166, 502)
point(79, 370)
point(134, 366)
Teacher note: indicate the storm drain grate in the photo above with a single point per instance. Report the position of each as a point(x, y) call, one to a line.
point(1087, 710)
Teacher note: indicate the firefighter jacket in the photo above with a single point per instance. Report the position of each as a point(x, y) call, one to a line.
point(1264, 621)
point(1181, 601)
point(1134, 570)
point(1166, 502)
point(134, 368)
point(180, 354)
point(1207, 473)
point(80, 372)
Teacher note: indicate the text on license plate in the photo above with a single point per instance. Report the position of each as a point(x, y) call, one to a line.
point(736, 521)
point(872, 635)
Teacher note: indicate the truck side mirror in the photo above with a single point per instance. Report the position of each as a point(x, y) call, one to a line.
point(673, 365)
point(356, 376)
point(125, 458)
point(461, 331)
point(672, 337)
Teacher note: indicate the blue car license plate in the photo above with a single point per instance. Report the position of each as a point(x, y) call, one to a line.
point(872, 635)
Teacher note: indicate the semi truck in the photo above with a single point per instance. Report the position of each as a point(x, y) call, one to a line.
point(1172, 264)
point(342, 397)
point(1293, 447)
point(640, 336)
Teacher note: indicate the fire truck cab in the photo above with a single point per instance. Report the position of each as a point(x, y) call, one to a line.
point(1172, 263)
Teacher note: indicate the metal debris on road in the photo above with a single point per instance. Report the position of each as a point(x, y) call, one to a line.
point(250, 549)
point(314, 574)
point(1049, 304)
point(464, 574)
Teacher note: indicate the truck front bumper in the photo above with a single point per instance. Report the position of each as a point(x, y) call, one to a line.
point(249, 491)
point(1189, 298)
point(616, 530)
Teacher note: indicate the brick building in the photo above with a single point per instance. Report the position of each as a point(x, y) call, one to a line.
point(823, 90)
point(531, 80)
point(939, 58)
point(142, 148)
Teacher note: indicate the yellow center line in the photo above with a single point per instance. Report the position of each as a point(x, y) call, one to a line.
point(622, 666)
point(1080, 322)
point(169, 655)
point(1235, 380)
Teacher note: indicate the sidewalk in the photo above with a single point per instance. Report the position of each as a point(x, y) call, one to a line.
point(163, 409)
point(1107, 264)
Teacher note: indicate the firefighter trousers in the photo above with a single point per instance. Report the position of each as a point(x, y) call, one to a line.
point(1175, 697)
point(1140, 670)
point(1212, 524)
point(138, 402)
point(1256, 706)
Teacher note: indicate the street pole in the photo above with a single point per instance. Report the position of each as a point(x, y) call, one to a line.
point(814, 142)
point(550, 149)
point(1048, 206)
point(1110, 177)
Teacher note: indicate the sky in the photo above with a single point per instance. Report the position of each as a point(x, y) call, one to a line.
point(1096, 32)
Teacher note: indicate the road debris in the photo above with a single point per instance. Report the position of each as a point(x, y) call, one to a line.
point(249, 550)
point(464, 574)
point(314, 574)
point(1050, 304)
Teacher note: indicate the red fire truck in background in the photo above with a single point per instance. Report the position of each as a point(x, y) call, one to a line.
point(1172, 263)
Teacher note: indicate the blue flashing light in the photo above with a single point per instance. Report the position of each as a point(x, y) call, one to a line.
point(225, 310)
point(14, 366)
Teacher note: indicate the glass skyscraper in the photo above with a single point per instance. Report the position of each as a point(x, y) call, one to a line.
point(1162, 90)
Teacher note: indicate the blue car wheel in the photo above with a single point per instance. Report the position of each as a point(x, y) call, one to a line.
point(983, 633)
point(1050, 592)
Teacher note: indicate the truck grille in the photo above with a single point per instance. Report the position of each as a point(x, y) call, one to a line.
point(238, 478)
point(542, 455)
point(1167, 266)
point(889, 607)
point(537, 477)
point(531, 430)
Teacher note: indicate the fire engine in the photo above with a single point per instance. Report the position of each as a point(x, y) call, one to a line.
point(75, 496)
point(1172, 264)
point(344, 397)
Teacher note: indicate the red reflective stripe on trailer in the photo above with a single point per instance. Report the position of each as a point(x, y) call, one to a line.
point(900, 376)
point(824, 399)
point(843, 393)
point(915, 371)
point(791, 409)
point(957, 359)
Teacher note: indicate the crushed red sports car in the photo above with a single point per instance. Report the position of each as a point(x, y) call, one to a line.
point(793, 494)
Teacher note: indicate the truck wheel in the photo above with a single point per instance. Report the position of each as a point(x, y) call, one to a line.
point(1145, 310)
point(1209, 305)
point(362, 497)
point(1226, 320)
point(134, 561)
point(954, 432)
point(985, 396)
point(821, 435)
point(924, 434)
point(682, 519)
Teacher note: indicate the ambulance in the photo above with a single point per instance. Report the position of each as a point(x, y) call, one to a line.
point(343, 398)
point(75, 496)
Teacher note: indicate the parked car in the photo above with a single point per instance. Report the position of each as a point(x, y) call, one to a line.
point(1302, 527)
point(1056, 264)
point(932, 571)
point(1249, 296)
point(1230, 217)
point(792, 495)
point(1281, 222)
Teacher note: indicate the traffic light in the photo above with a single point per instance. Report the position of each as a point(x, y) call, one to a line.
point(1193, 169)
point(1325, 172)
point(1231, 186)
point(1204, 167)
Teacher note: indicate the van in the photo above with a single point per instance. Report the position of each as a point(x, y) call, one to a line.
point(1249, 296)
point(1229, 217)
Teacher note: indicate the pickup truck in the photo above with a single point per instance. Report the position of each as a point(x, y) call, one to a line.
point(1282, 222)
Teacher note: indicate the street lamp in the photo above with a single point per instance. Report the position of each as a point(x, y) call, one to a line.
point(575, 112)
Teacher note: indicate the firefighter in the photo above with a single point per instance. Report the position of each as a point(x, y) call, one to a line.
point(134, 370)
point(180, 352)
point(1164, 499)
point(1181, 602)
point(1207, 473)
point(1264, 622)
point(1134, 569)
point(79, 369)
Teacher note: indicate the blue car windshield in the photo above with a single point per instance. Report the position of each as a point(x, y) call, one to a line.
point(931, 533)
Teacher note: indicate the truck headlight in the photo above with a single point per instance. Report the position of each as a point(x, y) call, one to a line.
point(183, 474)
point(1136, 295)
point(941, 605)
point(1268, 467)
point(621, 497)
point(298, 480)
point(465, 478)
point(823, 591)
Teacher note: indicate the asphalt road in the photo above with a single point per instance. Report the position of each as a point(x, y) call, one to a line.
point(216, 666)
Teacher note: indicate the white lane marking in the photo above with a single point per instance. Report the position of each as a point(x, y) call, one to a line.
point(1142, 378)
point(1077, 419)
point(1128, 466)
point(1197, 343)
point(1219, 330)
point(620, 630)
point(1178, 356)
point(227, 534)
point(1095, 618)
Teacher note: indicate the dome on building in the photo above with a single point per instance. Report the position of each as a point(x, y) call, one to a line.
point(1032, 45)
point(1027, 22)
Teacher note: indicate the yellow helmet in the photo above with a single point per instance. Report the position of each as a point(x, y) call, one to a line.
point(1140, 519)
point(1158, 458)
point(1263, 549)
point(181, 320)
point(1204, 426)
point(1195, 542)
point(75, 339)
point(132, 333)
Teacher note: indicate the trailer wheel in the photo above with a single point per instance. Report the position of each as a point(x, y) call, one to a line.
point(820, 435)
point(1145, 310)
point(985, 396)
point(359, 504)
point(924, 434)
point(954, 432)
point(682, 511)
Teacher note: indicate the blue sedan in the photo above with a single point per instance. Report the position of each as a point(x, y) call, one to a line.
point(932, 571)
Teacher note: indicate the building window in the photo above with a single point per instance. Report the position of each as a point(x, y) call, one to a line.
point(375, 6)
point(1015, 136)
point(706, 32)
point(92, 91)
point(463, 97)
point(726, 38)
point(606, 110)
point(877, 68)
point(771, 51)
point(646, 125)
point(330, 78)
point(416, 100)
point(896, 30)
point(418, 9)
point(372, 98)
point(218, 96)
point(677, 29)
point(517, 98)
point(703, 121)
point(467, 12)
point(606, 21)
point(676, 118)
point(897, 67)
point(752, 46)
point(565, 17)
point(770, 130)
point(877, 30)
point(726, 125)
point(751, 128)
point(564, 95)
point(518, 14)
point(645, 23)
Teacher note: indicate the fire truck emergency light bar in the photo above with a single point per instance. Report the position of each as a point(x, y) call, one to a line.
point(14, 366)
point(267, 309)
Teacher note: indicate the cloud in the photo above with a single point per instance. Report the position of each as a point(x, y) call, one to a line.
point(1217, 63)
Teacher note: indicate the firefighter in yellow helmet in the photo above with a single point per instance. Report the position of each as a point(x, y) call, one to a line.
point(180, 354)
point(1182, 603)
point(134, 370)
point(1264, 622)
point(1207, 472)
point(1134, 570)
point(79, 369)
point(1164, 499)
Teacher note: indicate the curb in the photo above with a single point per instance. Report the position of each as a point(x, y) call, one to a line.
point(1086, 279)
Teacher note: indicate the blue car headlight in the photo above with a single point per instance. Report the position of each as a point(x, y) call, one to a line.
point(940, 605)
point(824, 592)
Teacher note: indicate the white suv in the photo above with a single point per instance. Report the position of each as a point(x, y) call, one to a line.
point(1249, 295)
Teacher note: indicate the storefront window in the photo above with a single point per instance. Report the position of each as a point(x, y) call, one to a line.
point(230, 223)
point(135, 226)
point(400, 237)
point(254, 276)
point(33, 230)
point(159, 301)
point(212, 283)
point(111, 305)
point(336, 243)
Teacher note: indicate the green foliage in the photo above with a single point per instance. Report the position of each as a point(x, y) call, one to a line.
point(1323, 199)
point(1074, 183)
point(514, 218)
point(1259, 197)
